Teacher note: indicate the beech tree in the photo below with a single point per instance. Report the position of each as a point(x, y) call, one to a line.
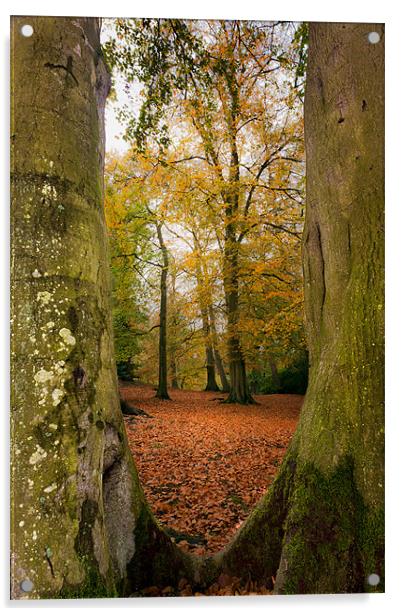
point(80, 524)
point(162, 391)
point(320, 528)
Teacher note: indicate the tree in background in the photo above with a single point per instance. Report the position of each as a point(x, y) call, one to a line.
point(270, 313)
point(130, 249)
point(135, 222)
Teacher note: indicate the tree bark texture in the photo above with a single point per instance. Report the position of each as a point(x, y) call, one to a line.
point(80, 525)
point(239, 389)
point(320, 527)
point(274, 372)
point(211, 383)
point(162, 391)
point(225, 385)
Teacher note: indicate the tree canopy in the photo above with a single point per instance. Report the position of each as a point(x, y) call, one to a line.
point(222, 167)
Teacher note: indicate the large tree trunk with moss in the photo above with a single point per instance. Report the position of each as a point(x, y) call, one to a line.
point(320, 528)
point(80, 523)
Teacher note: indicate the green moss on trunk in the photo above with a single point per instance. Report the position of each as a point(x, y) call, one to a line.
point(157, 561)
point(326, 549)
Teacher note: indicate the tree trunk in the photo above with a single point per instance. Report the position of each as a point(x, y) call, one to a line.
point(211, 384)
point(162, 391)
point(80, 525)
point(239, 390)
point(174, 375)
point(174, 329)
point(225, 385)
point(320, 528)
point(275, 376)
point(204, 294)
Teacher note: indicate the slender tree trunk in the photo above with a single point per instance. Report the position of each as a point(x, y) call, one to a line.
point(173, 338)
point(211, 384)
point(239, 389)
point(320, 528)
point(79, 523)
point(274, 373)
point(162, 391)
point(174, 374)
point(202, 279)
point(225, 385)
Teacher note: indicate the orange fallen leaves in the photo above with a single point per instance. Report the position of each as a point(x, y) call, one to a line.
point(204, 465)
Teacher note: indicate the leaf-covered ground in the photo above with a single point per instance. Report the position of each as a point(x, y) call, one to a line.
point(204, 465)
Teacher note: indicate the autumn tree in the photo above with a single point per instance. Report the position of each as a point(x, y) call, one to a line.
point(131, 249)
point(135, 219)
point(271, 316)
point(270, 307)
point(192, 229)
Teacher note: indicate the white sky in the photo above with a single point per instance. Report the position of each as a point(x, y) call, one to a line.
point(114, 130)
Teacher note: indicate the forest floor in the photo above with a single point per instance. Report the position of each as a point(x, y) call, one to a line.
point(204, 465)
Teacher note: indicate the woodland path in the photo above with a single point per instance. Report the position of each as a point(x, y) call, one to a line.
point(204, 465)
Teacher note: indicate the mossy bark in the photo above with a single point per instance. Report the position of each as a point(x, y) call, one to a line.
point(320, 528)
point(78, 511)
